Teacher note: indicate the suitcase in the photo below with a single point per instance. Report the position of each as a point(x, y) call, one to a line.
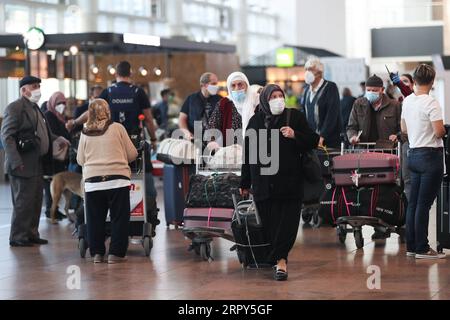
point(365, 169)
point(251, 245)
point(386, 202)
point(208, 218)
point(176, 182)
point(443, 218)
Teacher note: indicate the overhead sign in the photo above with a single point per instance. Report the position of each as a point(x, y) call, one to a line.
point(34, 38)
point(144, 40)
point(285, 58)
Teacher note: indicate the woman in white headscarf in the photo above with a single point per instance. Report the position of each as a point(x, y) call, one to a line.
point(250, 107)
point(229, 113)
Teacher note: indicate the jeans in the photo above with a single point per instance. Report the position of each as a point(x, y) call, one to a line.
point(427, 170)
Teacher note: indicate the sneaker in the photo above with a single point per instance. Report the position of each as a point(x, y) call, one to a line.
point(411, 254)
point(115, 259)
point(99, 258)
point(431, 254)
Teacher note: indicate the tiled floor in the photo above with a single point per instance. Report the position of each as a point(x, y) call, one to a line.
point(320, 268)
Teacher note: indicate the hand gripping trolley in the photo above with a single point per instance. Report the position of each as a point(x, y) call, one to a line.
point(140, 225)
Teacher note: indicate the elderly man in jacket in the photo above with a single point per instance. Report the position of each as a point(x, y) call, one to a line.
point(375, 118)
point(321, 104)
point(27, 140)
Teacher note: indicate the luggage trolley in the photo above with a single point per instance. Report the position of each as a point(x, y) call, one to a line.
point(139, 224)
point(202, 237)
point(357, 222)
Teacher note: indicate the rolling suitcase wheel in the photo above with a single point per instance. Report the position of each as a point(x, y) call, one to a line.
point(342, 234)
point(359, 240)
point(316, 220)
point(147, 243)
point(83, 246)
point(205, 251)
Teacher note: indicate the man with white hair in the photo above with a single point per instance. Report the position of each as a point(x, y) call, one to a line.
point(321, 103)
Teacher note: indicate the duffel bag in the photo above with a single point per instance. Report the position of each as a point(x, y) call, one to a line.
point(214, 191)
point(176, 151)
point(386, 202)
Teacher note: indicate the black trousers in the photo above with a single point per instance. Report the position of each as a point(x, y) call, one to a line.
point(117, 201)
point(280, 220)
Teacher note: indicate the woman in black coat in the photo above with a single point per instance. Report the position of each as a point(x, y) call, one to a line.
point(278, 195)
point(56, 121)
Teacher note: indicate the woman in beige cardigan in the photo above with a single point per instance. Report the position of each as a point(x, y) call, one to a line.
point(104, 152)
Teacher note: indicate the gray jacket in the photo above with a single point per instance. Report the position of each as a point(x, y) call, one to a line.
point(20, 116)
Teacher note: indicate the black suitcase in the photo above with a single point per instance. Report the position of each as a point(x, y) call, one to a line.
point(251, 245)
point(442, 216)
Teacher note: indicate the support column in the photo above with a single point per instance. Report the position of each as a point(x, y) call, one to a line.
point(240, 21)
point(174, 12)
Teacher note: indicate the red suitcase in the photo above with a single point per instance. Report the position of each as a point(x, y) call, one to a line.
point(365, 169)
point(208, 218)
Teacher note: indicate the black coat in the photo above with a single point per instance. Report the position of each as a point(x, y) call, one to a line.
point(58, 129)
point(287, 183)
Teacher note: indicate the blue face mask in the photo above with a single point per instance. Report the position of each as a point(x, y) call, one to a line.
point(372, 96)
point(239, 96)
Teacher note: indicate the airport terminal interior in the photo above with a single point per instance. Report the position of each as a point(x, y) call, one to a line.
point(356, 90)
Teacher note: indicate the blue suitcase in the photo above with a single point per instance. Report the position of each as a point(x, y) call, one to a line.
point(176, 186)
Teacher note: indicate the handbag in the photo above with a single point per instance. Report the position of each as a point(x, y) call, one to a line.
point(312, 168)
point(60, 153)
point(28, 140)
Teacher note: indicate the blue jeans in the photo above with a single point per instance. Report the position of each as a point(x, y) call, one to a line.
point(427, 170)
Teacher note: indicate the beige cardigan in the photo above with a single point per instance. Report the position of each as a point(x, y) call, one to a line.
point(108, 154)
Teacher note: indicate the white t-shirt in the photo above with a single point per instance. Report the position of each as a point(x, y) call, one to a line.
point(419, 112)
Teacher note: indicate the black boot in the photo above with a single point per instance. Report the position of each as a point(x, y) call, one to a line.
point(152, 214)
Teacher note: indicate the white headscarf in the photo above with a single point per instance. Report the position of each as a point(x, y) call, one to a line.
point(249, 110)
point(235, 76)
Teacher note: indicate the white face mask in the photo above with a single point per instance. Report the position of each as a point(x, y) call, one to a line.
point(309, 77)
point(35, 96)
point(60, 108)
point(277, 106)
point(212, 89)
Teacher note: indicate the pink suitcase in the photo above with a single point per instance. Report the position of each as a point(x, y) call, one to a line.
point(208, 218)
point(363, 169)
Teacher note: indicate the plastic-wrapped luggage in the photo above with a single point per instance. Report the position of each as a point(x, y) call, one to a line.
point(363, 169)
point(386, 202)
point(226, 158)
point(213, 191)
point(176, 151)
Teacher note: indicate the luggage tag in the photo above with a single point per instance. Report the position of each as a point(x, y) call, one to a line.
point(355, 178)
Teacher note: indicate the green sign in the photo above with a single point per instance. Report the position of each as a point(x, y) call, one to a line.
point(285, 58)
